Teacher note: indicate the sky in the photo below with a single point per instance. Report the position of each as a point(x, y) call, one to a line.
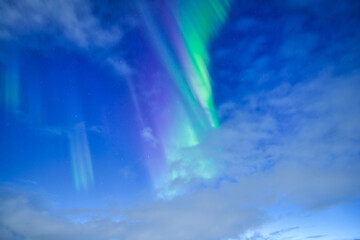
point(179, 120)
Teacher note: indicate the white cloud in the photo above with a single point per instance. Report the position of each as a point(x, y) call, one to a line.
point(148, 136)
point(313, 123)
point(73, 20)
point(21, 217)
point(120, 67)
point(214, 213)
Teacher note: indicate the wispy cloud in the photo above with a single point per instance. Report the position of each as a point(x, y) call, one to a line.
point(310, 125)
point(73, 21)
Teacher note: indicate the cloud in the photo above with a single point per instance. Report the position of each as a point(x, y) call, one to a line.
point(295, 144)
point(315, 236)
point(148, 136)
point(24, 216)
point(120, 67)
point(213, 213)
point(20, 219)
point(284, 234)
point(310, 125)
point(74, 21)
point(299, 45)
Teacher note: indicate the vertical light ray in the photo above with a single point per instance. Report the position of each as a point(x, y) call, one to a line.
point(181, 37)
point(81, 157)
point(170, 62)
point(198, 21)
point(135, 100)
point(124, 70)
point(11, 90)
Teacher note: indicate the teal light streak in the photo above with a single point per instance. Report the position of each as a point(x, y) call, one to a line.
point(198, 22)
point(11, 89)
point(81, 157)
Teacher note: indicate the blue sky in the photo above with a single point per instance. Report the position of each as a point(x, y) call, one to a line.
point(99, 139)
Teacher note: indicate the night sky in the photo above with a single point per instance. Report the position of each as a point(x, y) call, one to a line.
point(179, 120)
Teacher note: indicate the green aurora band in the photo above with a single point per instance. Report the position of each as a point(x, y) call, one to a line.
point(180, 40)
point(198, 22)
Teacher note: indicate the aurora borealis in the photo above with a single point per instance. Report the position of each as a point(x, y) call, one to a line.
point(179, 120)
point(180, 37)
